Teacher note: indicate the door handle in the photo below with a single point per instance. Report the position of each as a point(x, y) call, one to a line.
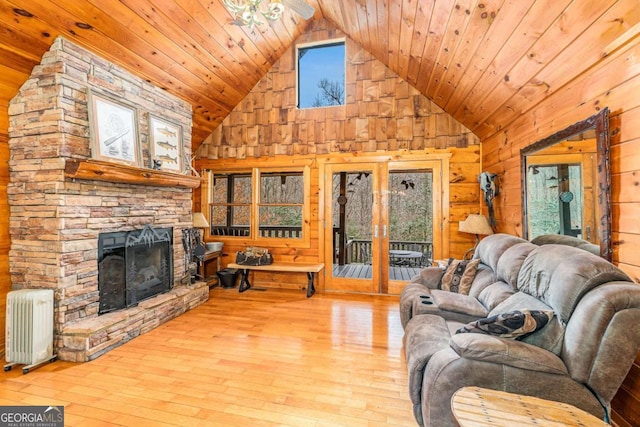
point(375, 231)
point(384, 231)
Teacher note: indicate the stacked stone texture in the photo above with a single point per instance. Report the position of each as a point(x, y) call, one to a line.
point(55, 222)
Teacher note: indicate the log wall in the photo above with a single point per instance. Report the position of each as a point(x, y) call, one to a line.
point(463, 200)
point(383, 114)
point(611, 83)
point(5, 279)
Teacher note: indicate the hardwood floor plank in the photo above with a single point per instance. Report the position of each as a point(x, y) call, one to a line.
point(260, 358)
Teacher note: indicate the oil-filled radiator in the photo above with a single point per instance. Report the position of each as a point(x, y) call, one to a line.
point(29, 327)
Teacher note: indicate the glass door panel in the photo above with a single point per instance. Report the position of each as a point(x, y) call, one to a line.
point(385, 224)
point(410, 218)
point(414, 213)
point(352, 209)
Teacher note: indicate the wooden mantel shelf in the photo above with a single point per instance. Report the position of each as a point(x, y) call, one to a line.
point(115, 172)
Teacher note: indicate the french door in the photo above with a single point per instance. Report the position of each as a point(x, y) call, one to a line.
point(383, 223)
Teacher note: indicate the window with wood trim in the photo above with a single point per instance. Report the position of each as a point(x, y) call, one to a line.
point(260, 204)
point(231, 205)
point(321, 74)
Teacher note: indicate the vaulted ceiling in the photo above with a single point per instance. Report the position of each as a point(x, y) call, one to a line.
point(485, 62)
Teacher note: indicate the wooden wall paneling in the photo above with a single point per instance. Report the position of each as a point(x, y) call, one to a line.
point(5, 242)
point(562, 109)
point(21, 42)
point(168, 20)
point(624, 187)
point(500, 29)
point(418, 41)
point(626, 153)
point(215, 20)
point(437, 29)
point(4, 117)
point(395, 26)
point(523, 133)
point(11, 78)
point(481, 19)
point(156, 62)
point(382, 29)
point(383, 113)
point(611, 82)
point(560, 34)
point(626, 403)
point(462, 159)
point(452, 39)
point(464, 197)
point(590, 46)
point(476, 104)
point(625, 247)
point(362, 29)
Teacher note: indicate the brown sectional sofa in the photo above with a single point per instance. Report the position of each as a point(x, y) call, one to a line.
point(581, 356)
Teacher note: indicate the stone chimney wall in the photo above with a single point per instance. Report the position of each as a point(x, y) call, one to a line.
point(55, 222)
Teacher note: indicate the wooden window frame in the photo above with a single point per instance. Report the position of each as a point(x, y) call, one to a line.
point(254, 237)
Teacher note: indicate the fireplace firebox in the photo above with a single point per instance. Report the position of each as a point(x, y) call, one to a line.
point(133, 266)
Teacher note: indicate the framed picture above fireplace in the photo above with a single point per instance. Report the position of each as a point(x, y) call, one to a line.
point(114, 131)
point(166, 144)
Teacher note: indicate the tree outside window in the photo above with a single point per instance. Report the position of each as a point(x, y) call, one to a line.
point(277, 212)
point(321, 75)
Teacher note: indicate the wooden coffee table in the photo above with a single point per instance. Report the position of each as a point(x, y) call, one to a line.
point(478, 407)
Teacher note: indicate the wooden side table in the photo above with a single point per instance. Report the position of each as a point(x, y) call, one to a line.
point(209, 267)
point(478, 407)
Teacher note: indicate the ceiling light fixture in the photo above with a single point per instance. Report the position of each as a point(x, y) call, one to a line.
point(251, 12)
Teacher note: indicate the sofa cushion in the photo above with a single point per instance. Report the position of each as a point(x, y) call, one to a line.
point(508, 352)
point(459, 275)
point(511, 260)
point(458, 303)
point(491, 248)
point(494, 294)
point(550, 337)
point(560, 275)
point(560, 239)
point(485, 276)
point(512, 324)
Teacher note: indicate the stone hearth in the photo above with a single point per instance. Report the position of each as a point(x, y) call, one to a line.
point(55, 221)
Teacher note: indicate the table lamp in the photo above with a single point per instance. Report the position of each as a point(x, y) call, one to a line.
point(475, 224)
point(199, 221)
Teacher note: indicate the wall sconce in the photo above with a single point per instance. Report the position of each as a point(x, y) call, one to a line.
point(475, 224)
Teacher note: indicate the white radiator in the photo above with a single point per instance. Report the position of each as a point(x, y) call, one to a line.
point(29, 334)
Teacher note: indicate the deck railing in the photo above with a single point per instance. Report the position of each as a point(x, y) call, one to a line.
point(359, 251)
point(265, 231)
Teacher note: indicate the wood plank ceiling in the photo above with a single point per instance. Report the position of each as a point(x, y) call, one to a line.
point(483, 61)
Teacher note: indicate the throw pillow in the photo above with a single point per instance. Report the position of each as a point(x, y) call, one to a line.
point(459, 276)
point(514, 324)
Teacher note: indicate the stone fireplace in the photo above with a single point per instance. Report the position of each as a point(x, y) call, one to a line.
point(60, 227)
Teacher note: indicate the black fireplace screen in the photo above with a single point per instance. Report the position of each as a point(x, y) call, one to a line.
point(134, 266)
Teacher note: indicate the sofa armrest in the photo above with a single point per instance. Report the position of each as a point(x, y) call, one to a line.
point(429, 277)
point(505, 351)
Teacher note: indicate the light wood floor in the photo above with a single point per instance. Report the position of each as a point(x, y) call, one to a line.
point(260, 358)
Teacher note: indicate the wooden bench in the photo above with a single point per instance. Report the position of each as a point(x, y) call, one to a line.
point(293, 267)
